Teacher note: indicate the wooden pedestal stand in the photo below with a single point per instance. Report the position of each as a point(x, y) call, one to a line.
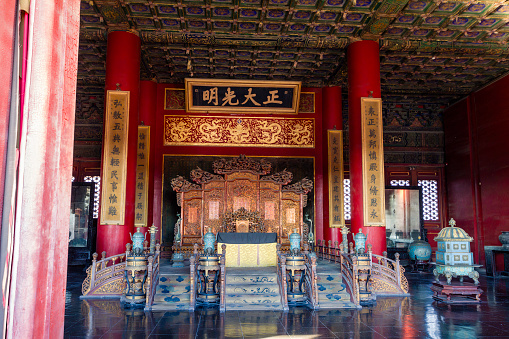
point(456, 292)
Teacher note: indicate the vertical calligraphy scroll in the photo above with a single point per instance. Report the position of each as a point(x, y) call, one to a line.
point(373, 162)
point(335, 146)
point(142, 176)
point(116, 126)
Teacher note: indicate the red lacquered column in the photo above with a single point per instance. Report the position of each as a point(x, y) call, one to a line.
point(363, 78)
point(332, 119)
point(123, 68)
point(148, 105)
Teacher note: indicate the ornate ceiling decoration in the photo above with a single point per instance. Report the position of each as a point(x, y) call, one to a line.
point(439, 50)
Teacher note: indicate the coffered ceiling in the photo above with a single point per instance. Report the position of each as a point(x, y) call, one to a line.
point(437, 50)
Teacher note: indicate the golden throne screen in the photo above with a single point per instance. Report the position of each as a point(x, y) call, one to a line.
point(241, 195)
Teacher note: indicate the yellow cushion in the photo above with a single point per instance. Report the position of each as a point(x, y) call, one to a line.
point(249, 255)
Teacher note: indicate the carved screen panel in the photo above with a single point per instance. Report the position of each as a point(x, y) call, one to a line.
point(290, 214)
point(192, 217)
point(242, 193)
point(270, 205)
point(214, 199)
point(271, 198)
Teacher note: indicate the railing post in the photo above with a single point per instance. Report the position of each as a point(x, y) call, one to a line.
point(93, 270)
point(314, 287)
point(329, 249)
point(341, 258)
point(158, 253)
point(385, 262)
point(148, 283)
point(192, 273)
point(283, 282)
point(355, 278)
point(398, 270)
point(335, 251)
point(351, 248)
point(103, 263)
point(222, 296)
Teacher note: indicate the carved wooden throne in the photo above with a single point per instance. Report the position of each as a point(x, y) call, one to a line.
point(240, 196)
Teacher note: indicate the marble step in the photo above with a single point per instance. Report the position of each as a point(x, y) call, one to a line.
point(254, 307)
point(172, 298)
point(324, 278)
point(174, 279)
point(337, 304)
point(252, 298)
point(251, 279)
point(331, 288)
point(173, 288)
point(163, 306)
point(326, 297)
point(252, 288)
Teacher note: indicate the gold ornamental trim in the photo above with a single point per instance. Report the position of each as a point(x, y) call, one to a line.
point(242, 96)
point(142, 176)
point(336, 174)
point(235, 131)
point(373, 182)
point(116, 127)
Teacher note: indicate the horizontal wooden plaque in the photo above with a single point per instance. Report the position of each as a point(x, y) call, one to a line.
point(244, 96)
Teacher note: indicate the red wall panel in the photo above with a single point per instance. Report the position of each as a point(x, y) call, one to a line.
point(477, 164)
point(458, 167)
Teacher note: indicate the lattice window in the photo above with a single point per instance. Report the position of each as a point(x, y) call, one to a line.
point(429, 199)
point(346, 199)
point(97, 193)
point(400, 182)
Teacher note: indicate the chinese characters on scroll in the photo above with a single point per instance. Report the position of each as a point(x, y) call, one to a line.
point(373, 162)
point(335, 146)
point(115, 158)
point(142, 176)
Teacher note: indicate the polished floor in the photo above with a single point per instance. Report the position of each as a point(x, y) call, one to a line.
point(417, 316)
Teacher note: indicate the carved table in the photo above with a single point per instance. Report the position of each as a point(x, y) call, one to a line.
point(491, 267)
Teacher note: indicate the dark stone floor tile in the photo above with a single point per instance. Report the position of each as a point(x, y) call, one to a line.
point(398, 332)
point(215, 333)
point(172, 336)
point(168, 329)
point(126, 334)
point(347, 327)
point(359, 335)
point(303, 331)
point(85, 332)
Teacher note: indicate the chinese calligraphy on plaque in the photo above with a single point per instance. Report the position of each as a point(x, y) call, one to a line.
point(142, 176)
point(373, 162)
point(115, 158)
point(206, 95)
point(335, 146)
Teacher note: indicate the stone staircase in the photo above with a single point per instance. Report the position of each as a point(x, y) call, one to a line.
point(252, 289)
point(332, 292)
point(173, 290)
